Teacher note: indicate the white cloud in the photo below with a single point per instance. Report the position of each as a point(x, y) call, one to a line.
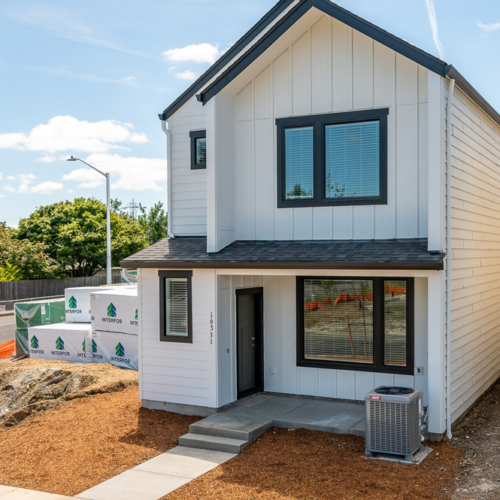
point(47, 159)
point(66, 23)
point(134, 174)
point(26, 185)
point(66, 72)
point(434, 26)
point(186, 75)
point(65, 133)
point(201, 53)
point(10, 178)
point(129, 80)
point(487, 28)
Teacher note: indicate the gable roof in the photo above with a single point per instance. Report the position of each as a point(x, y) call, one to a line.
point(282, 25)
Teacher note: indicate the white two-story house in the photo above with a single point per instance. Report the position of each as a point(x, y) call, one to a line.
point(334, 221)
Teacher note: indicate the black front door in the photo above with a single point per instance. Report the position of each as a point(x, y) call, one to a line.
point(249, 340)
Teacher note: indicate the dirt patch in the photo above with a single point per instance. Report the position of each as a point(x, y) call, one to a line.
point(85, 442)
point(30, 386)
point(479, 435)
point(308, 465)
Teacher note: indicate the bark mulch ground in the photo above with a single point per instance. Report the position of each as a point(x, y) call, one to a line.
point(86, 441)
point(308, 465)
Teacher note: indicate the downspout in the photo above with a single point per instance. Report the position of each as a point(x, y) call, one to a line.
point(451, 89)
point(169, 177)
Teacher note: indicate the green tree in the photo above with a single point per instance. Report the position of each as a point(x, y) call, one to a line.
point(21, 259)
point(74, 234)
point(154, 223)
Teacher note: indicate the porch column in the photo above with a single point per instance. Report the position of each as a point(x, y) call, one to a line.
point(436, 354)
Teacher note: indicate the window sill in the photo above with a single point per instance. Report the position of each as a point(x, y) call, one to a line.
point(334, 365)
point(349, 202)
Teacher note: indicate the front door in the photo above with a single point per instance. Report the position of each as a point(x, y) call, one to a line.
point(249, 340)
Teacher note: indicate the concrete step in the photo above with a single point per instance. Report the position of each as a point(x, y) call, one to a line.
point(235, 428)
point(215, 443)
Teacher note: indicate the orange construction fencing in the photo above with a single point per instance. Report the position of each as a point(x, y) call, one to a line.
point(7, 349)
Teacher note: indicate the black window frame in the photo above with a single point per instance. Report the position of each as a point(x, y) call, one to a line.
point(163, 275)
point(378, 364)
point(319, 122)
point(196, 134)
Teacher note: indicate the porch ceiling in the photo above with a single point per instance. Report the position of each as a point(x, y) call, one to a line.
point(189, 253)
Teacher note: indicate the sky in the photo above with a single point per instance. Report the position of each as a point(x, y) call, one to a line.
point(88, 79)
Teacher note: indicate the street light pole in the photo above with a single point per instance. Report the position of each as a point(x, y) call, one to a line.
point(108, 218)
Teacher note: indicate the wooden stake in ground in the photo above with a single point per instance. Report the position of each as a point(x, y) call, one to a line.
point(350, 336)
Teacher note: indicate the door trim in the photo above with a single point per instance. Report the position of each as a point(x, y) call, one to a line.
point(259, 326)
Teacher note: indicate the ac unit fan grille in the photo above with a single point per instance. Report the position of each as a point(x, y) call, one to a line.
point(394, 427)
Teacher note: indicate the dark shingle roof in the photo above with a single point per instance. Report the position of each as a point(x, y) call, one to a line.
point(184, 253)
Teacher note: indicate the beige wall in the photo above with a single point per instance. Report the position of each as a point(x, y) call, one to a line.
point(475, 291)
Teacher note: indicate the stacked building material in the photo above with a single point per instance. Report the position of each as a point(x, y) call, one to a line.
point(70, 342)
point(115, 321)
point(37, 313)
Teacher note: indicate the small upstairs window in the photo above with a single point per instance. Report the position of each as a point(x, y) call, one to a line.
point(198, 149)
point(333, 159)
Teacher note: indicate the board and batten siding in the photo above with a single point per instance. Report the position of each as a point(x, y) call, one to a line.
point(333, 68)
point(280, 346)
point(175, 372)
point(475, 228)
point(189, 187)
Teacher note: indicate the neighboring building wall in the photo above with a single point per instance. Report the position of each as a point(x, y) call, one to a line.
point(475, 273)
point(172, 372)
point(280, 346)
point(189, 190)
point(333, 68)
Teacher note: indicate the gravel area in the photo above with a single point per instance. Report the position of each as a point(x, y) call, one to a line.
point(308, 465)
point(479, 435)
point(86, 441)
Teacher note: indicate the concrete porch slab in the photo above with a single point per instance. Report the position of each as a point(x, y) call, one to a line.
point(325, 416)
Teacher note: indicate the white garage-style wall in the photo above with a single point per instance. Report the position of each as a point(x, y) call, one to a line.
point(331, 68)
point(189, 187)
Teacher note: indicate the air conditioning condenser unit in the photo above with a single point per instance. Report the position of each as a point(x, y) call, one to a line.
point(394, 417)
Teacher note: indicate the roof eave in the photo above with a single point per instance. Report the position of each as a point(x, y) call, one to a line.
point(376, 266)
point(472, 93)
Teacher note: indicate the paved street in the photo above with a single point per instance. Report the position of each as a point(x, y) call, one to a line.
point(7, 328)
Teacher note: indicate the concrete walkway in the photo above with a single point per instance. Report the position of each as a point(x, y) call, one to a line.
point(235, 428)
point(11, 493)
point(159, 476)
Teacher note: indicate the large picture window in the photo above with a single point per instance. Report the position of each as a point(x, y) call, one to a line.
point(355, 324)
point(333, 159)
point(175, 306)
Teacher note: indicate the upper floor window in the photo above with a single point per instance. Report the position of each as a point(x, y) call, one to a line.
point(198, 149)
point(333, 159)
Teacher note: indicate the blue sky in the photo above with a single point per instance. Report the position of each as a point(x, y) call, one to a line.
point(89, 78)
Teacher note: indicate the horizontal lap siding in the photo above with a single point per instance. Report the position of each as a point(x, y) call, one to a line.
point(475, 291)
point(171, 372)
point(189, 190)
point(333, 68)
